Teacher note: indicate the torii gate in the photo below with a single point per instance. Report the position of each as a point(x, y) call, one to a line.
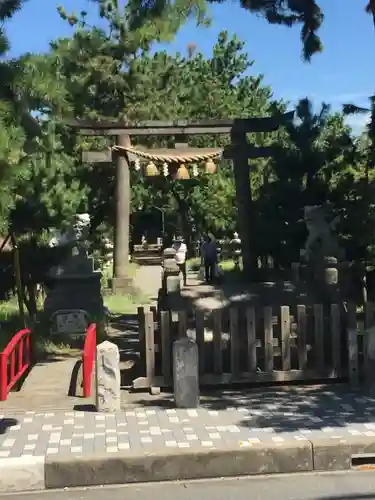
point(239, 151)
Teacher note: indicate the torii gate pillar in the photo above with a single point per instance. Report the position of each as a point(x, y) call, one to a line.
point(122, 282)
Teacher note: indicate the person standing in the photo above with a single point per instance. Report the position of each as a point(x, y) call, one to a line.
point(181, 252)
point(209, 258)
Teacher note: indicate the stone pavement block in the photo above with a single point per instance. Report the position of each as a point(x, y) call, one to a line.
point(336, 454)
point(177, 464)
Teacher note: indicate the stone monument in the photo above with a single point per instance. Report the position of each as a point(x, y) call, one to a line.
point(170, 291)
point(322, 253)
point(185, 373)
point(74, 298)
point(171, 281)
point(322, 240)
point(108, 378)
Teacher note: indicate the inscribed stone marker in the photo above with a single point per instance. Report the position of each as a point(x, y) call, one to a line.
point(185, 373)
point(108, 381)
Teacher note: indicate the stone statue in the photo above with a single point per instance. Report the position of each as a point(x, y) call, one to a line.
point(74, 299)
point(322, 240)
point(76, 236)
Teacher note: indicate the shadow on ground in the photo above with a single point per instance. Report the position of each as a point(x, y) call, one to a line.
point(6, 423)
point(123, 331)
point(351, 496)
point(231, 291)
point(285, 409)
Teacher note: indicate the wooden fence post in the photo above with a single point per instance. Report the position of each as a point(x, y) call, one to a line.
point(336, 339)
point(166, 345)
point(285, 338)
point(217, 327)
point(318, 348)
point(352, 344)
point(251, 340)
point(302, 337)
point(150, 351)
point(268, 339)
point(182, 324)
point(142, 338)
point(199, 328)
point(234, 343)
point(368, 346)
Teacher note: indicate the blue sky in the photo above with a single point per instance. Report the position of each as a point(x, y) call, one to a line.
point(343, 73)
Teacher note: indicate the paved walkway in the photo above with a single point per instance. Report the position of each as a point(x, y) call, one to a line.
point(229, 420)
point(148, 280)
point(265, 432)
point(45, 388)
point(49, 382)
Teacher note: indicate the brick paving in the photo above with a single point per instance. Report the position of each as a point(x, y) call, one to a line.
point(231, 420)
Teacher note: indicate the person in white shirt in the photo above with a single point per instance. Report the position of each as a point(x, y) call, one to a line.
point(180, 257)
point(209, 258)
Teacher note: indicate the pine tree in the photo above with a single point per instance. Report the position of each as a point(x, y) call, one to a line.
point(17, 127)
point(307, 13)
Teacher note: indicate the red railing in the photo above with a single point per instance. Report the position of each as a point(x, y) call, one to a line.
point(14, 361)
point(88, 359)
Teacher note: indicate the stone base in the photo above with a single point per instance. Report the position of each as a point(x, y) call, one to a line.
point(172, 283)
point(72, 303)
point(122, 286)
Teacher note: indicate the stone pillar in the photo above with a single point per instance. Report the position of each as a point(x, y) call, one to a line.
point(108, 380)
point(185, 373)
point(171, 280)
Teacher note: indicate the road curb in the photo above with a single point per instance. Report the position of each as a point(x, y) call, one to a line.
point(337, 454)
point(22, 474)
point(286, 457)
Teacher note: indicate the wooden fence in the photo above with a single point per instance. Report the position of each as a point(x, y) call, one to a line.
point(265, 345)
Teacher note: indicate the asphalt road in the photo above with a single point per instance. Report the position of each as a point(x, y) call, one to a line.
point(332, 486)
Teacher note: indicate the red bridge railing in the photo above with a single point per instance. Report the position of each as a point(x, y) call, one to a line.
point(88, 359)
point(15, 360)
